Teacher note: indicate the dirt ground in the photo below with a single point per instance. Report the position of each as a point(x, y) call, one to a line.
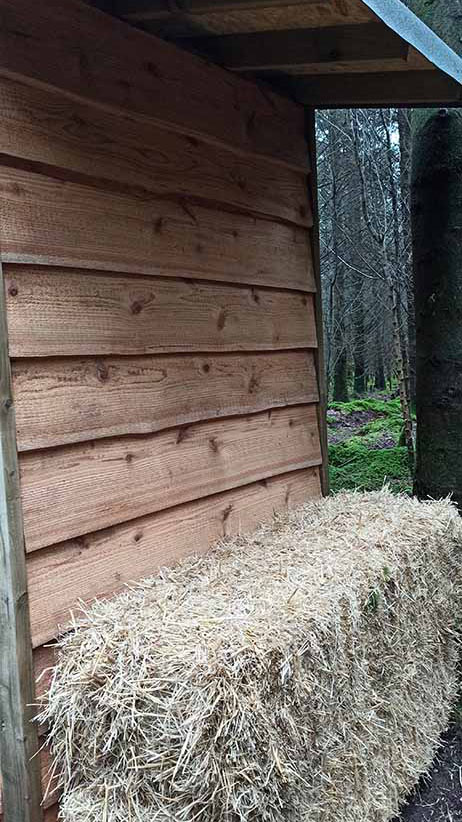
point(438, 797)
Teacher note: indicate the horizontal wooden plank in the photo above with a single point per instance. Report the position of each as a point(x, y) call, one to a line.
point(347, 67)
point(67, 137)
point(159, 9)
point(102, 563)
point(49, 778)
point(99, 59)
point(302, 47)
point(160, 539)
point(55, 312)
point(69, 491)
point(405, 88)
point(53, 222)
point(236, 16)
point(59, 401)
point(44, 659)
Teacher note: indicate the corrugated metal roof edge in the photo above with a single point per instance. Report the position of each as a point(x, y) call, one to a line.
point(405, 23)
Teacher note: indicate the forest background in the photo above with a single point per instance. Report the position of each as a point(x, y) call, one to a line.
point(364, 168)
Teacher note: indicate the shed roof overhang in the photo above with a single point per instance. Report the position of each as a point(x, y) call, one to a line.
point(323, 53)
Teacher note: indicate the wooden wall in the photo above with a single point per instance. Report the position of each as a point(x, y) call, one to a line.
point(156, 253)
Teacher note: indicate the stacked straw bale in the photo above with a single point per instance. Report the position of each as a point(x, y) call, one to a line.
point(301, 673)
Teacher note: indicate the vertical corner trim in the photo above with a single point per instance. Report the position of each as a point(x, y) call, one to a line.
point(310, 131)
point(21, 791)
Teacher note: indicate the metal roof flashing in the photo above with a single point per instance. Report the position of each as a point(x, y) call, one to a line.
point(405, 23)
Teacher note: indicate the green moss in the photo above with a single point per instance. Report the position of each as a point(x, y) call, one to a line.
point(391, 425)
point(390, 421)
point(353, 465)
point(386, 407)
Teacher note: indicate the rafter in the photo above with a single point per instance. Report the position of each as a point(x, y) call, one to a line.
point(407, 88)
point(159, 9)
point(318, 49)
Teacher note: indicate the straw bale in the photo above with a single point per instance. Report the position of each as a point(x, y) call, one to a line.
point(304, 672)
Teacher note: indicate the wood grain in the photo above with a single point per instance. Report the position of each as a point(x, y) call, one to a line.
point(53, 222)
point(102, 563)
point(59, 401)
point(71, 138)
point(101, 60)
point(48, 783)
point(308, 49)
point(48, 777)
point(19, 772)
point(56, 312)
point(401, 88)
point(217, 17)
point(319, 353)
point(69, 491)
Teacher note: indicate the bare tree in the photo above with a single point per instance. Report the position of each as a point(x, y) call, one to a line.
point(365, 240)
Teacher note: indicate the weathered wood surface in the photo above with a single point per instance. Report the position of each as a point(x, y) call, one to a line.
point(217, 17)
point(69, 491)
point(48, 783)
point(263, 10)
point(56, 312)
point(60, 401)
point(69, 139)
point(309, 49)
point(406, 88)
point(48, 779)
point(43, 660)
point(20, 775)
point(99, 59)
point(102, 563)
point(321, 407)
point(53, 222)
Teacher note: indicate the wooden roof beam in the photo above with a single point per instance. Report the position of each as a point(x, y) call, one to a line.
point(160, 9)
point(382, 89)
point(311, 50)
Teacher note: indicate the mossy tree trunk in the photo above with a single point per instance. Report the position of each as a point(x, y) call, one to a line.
point(437, 240)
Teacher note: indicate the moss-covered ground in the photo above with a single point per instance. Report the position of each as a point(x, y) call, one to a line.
point(365, 447)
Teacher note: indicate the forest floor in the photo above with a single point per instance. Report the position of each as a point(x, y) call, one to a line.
point(438, 796)
point(364, 445)
point(365, 452)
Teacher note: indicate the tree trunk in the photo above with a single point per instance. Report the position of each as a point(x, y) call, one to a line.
point(402, 382)
point(340, 392)
point(379, 382)
point(359, 377)
point(405, 182)
point(340, 388)
point(437, 239)
point(359, 342)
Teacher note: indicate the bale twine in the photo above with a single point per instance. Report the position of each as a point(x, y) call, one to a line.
point(304, 672)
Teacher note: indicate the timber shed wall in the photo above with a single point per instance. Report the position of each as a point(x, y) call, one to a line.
point(159, 298)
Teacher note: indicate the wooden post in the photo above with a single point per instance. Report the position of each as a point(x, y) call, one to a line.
point(310, 130)
point(18, 735)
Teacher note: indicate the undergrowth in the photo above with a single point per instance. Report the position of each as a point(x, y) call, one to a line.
point(359, 461)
